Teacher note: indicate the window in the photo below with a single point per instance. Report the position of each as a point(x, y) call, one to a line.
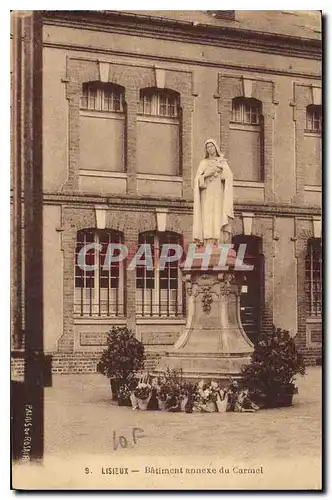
point(159, 293)
point(159, 132)
point(157, 102)
point(97, 96)
point(246, 140)
point(99, 292)
point(314, 118)
point(312, 146)
point(102, 128)
point(246, 111)
point(313, 277)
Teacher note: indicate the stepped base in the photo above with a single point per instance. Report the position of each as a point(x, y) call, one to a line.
point(198, 366)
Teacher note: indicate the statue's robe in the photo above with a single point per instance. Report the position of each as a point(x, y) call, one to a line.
point(213, 201)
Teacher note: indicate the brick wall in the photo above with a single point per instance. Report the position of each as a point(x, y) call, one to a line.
point(76, 363)
point(85, 363)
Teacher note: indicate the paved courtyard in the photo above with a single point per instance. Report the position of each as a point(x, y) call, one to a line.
point(83, 428)
point(80, 418)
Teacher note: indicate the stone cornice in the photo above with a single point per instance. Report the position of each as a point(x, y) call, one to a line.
point(178, 205)
point(180, 59)
point(183, 31)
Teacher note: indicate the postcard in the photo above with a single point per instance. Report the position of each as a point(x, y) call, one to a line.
point(166, 250)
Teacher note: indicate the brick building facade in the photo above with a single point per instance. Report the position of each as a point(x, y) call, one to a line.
point(129, 99)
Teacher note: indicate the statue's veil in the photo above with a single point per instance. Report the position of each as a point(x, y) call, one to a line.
point(212, 141)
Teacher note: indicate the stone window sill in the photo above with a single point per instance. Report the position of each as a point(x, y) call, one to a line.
point(245, 126)
point(317, 189)
point(250, 184)
point(100, 320)
point(158, 177)
point(158, 119)
point(161, 321)
point(314, 319)
point(102, 173)
point(102, 114)
point(312, 133)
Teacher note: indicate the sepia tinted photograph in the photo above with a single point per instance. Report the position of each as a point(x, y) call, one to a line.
point(166, 250)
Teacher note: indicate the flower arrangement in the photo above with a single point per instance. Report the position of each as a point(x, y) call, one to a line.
point(173, 393)
point(162, 391)
point(208, 392)
point(207, 395)
point(188, 393)
point(124, 393)
point(244, 403)
point(233, 390)
point(187, 389)
point(143, 390)
point(141, 395)
point(168, 389)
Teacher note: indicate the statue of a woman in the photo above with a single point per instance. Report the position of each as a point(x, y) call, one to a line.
point(213, 198)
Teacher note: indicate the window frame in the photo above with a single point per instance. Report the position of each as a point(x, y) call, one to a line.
point(96, 91)
point(313, 277)
point(242, 106)
point(155, 307)
point(150, 103)
point(89, 304)
point(257, 128)
point(313, 116)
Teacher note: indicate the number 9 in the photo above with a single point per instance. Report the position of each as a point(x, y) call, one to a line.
point(87, 470)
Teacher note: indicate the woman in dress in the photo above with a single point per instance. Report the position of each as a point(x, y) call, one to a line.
point(213, 198)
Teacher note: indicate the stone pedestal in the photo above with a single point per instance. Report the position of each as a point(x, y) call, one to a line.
point(214, 343)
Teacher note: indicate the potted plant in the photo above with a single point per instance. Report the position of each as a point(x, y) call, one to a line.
point(236, 398)
point(143, 394)
point(244, 403)
point(168, 390)
point(173, 393)
point(207, 396)
point(274, 364)
point(188, 392)
point(232, 392)
point(162, 390)
point(124, 392)
point(122, 358)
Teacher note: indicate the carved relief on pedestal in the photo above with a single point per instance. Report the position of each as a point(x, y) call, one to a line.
point(207, 299)
point(211, 287)
point(228, 283)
